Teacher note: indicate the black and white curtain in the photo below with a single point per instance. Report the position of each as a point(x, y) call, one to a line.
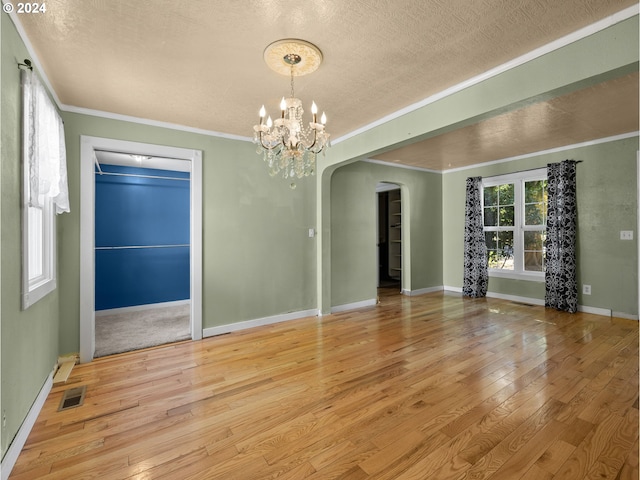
point(561, 289)
point(476, 273)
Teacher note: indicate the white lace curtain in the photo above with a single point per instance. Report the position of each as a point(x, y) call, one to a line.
point(45, 149)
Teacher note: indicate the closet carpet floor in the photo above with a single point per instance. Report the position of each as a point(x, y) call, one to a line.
point(124, 332)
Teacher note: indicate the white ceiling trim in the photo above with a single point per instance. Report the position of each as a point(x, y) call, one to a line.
point(508, 159)
point(543, 152)
point(400, 165)
point(153, 123)
point(527, 57)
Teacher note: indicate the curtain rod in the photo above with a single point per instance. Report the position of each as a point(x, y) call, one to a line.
point(26, 64)
point(526, 170)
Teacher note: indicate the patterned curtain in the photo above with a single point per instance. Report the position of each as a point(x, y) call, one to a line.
point(476, 273)
point(561, 288)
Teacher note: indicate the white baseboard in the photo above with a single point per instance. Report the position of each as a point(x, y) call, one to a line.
point(422, 291)
point(140, 308)
point(20, 439)
point(516, 298)
point(628, 316)
point(258, 322)
point(449, 288)
point(501, 296)
point(352, 306)
point(595, 310)
point(537, 301)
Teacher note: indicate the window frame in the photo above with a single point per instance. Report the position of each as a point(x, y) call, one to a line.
point(518, 180)
point(36, 288)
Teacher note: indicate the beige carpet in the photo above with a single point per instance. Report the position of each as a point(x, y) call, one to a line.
point(124, 332)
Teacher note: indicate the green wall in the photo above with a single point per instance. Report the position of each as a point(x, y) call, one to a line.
point(607, 199)
point(258, 259)
point(606, 54)
point(354, 260)
point(29, 338)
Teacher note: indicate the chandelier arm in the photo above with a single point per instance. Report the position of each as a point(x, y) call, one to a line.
point(315, 139)
point(267, 147)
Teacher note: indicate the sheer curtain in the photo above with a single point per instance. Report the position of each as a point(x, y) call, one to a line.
point(476, 273)
point(561, 289)
point(46, 154)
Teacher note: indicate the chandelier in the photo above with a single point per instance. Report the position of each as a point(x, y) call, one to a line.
point(287, 145)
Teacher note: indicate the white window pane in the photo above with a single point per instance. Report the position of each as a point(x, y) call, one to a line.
point(36, 243)
point(501, 257)
point(534, 250)
point(515, 209)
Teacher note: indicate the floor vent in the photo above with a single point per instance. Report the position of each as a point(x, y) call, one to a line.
point(74, 397)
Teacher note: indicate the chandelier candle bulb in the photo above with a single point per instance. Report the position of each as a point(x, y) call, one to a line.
point(283, 106)
point(314, 110)
point(323, 119)
point(263, 112)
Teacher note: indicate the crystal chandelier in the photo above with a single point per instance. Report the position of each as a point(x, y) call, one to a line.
point(287, 145)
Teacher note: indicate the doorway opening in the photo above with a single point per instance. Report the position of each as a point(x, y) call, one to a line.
point(142, 250)
point(186, 160)
point(389, 245)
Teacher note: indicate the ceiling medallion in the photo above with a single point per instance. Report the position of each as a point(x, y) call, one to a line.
point(287, 145)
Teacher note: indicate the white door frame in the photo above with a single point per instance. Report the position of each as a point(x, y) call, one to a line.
point(88, 146)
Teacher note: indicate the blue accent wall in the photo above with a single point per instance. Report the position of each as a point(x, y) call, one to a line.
point(142, 237)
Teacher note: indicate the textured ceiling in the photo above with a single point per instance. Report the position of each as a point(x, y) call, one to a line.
point(601, 111)
point(199, 63)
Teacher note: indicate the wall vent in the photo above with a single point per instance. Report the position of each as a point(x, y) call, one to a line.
point(74, 397)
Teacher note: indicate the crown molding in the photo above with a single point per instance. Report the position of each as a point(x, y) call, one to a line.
point(544, 152)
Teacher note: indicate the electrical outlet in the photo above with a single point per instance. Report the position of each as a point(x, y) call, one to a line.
point(626, 234)
point(586, 289)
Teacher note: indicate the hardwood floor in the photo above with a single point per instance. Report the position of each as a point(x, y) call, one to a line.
point(426, 387)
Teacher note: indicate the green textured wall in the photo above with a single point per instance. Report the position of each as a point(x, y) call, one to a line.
point(258, 260)
point(354, 261)
point(29, 338)
point(606, 54)
point(607, 198)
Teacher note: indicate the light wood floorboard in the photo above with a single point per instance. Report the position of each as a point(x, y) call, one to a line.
point(426, 387)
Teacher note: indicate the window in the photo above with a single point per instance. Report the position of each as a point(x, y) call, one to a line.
point(44, 188)
point(39, 251)
point(515, 218)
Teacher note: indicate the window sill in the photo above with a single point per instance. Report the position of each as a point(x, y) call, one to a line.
point(37, 293)
point(530, 277)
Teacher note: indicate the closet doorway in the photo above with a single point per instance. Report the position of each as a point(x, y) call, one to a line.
point(142, 252)
point(389, 245)
point(134, 266)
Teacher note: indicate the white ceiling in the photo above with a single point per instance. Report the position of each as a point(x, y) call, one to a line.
point(199, 64)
